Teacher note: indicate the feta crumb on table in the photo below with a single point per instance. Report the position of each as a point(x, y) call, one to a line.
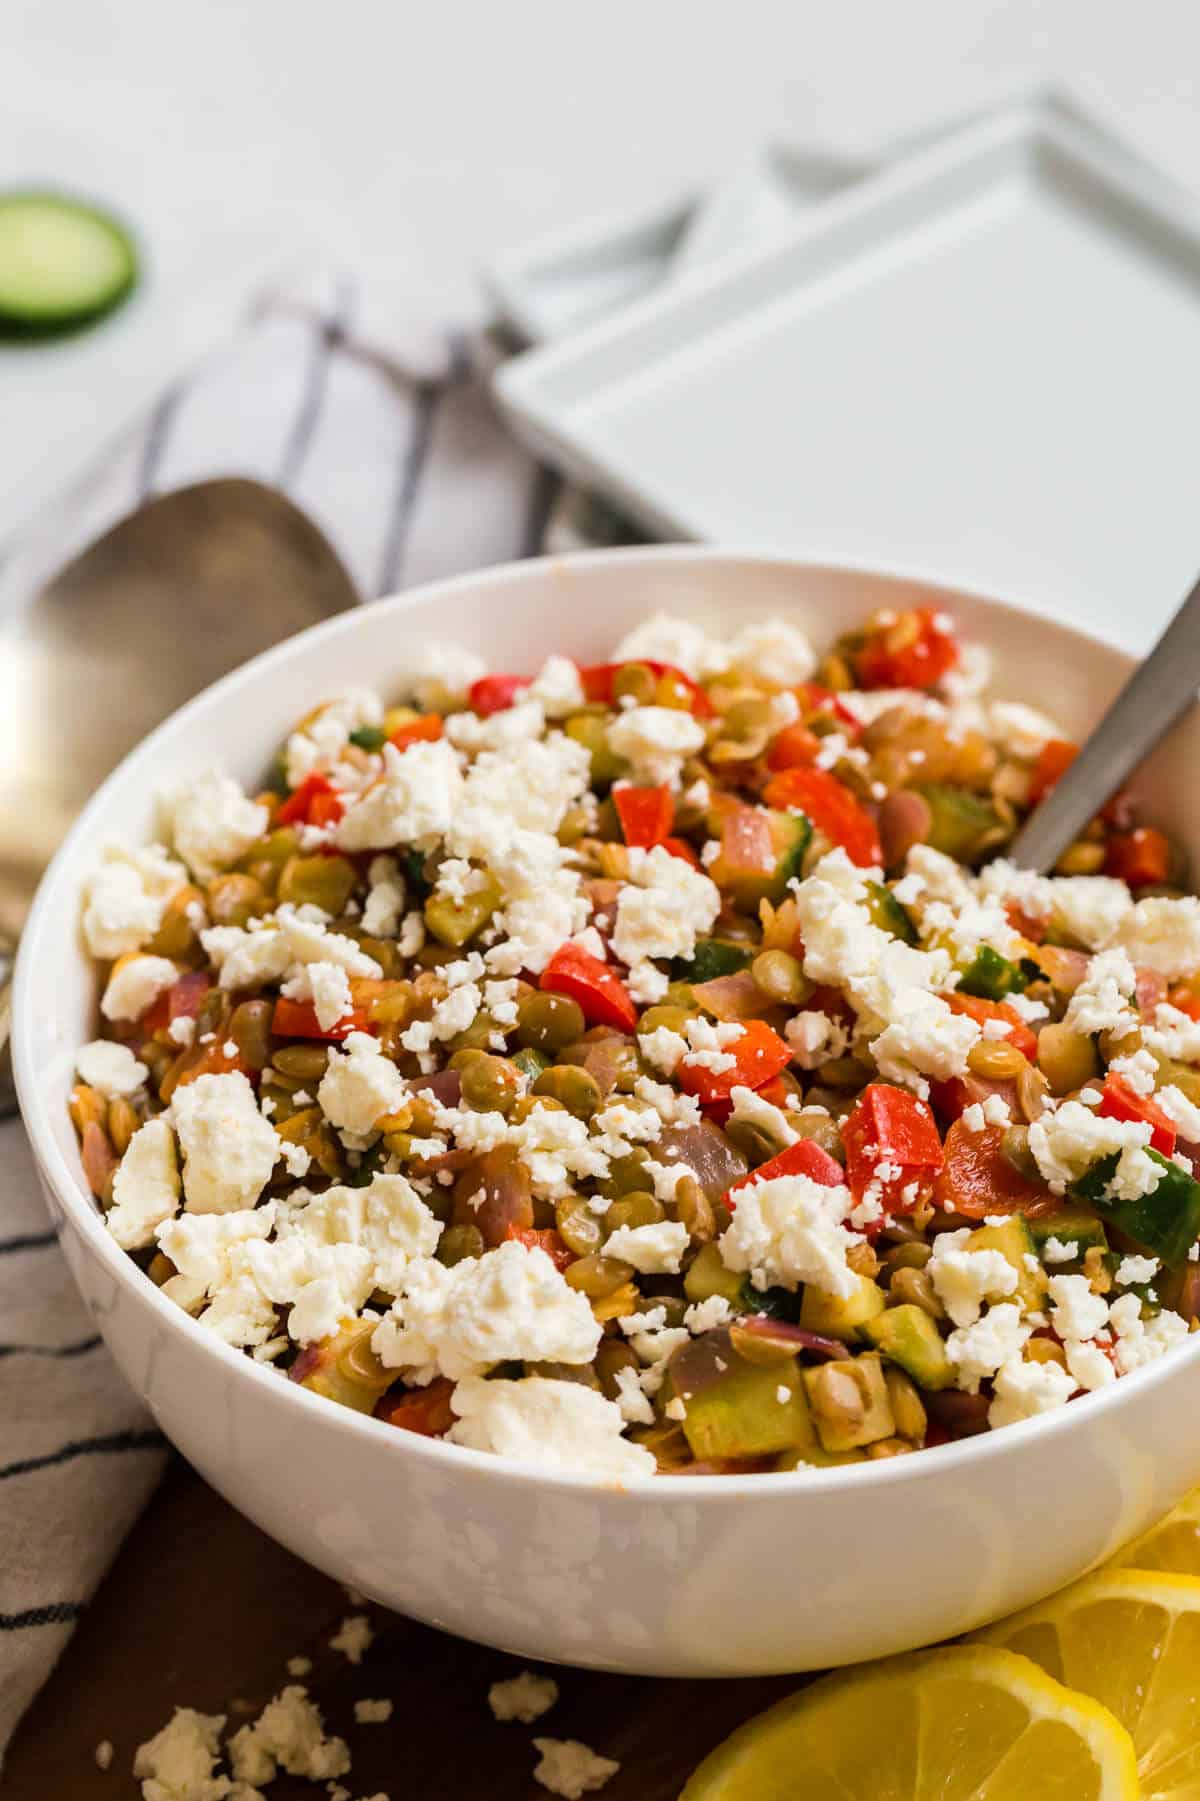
point(353, 1637)
point(525, 1697)
point(571, 1769)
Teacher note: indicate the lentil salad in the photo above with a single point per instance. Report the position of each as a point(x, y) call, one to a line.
point(656, 1065)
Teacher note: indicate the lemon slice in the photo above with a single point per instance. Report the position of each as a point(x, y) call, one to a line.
point(1173, 1544)
point(972, 1723)
point(1131, 1640)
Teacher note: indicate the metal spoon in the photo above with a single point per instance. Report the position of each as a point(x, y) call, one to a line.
point(1156, 695)
point(177, 594)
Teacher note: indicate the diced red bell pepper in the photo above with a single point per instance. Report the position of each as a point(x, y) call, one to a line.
point(1019, 1034)
point(424, 1410)
point(758, 1055)
point(679, 847)
point(892, 1147)
point(425, 730)
point(952, 1098)
point(494, 693)
point(1120, 1101)
point(795, 747)
point(180, 1001)
point(298, 1019)
point(543, 1238)
point(1139, 857)
point(978, 1179)
point(1051, 764)
point(646, 814)
point(214, 1060)
point(315, 802)
point(598, 679)
point(816, 699)
point(598, 989)
point(1185, 1000)
point(1027, 924)
point(804, 1158)
point(832, 808)
point(911, 651)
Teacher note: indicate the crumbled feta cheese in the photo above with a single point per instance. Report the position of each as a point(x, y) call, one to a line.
point(509, 1303)
point(1164, 934)
point(1077, 1312)
point(289, 1734)
point(1055, 1251)
point(1138, 1070)
point(135, 985)
point(632, 1399)
point(360, 1085)
point(124, 901)
point(412, 803)
point(707, 1315)
point(229, 1149)
point(213, 823)
point(663, 638)
point(815, 1038)
point(387, 1218)
point(1101, 1001)
point(774, 651)
point(663, 908)
point(662, 1049)
point(570, 1768)
point(1066, 1141)
point(177, 1764)
point(111, 1069)
point(385, 898)
point(1142, 1341)
point(204, 1247)
point(1174, 1034)
point(1089, 1364)
point(749, 1108)
point(525, 1697)
point(145, 1186)
point(1023, 1390)
point(353, 1637)
point(437, 670)
point(964, 1280)
point(1090, 908)
point(556, 1425)
point(299, 1666)
point(558, 687)
point(655, 742)
point(327, 987)
point(104, 1754)
point(1183, 1114)
point(318, 745)
point(1021, 729)
point(1137, 1269)
point(652, 1250)
point(791, 1230)
point(979, 1350)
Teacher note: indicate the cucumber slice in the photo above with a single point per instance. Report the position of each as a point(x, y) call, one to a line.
point(62, 263)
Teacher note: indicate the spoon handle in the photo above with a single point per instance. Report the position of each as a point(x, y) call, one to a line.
point(1157, 693)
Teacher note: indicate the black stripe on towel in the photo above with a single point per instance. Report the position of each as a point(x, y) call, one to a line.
point(56, 1613)
point(47, 1350)
point(111, 1444)
point(30, 1241)
point(328, 336)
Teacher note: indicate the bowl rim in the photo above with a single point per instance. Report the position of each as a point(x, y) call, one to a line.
point(67, 868)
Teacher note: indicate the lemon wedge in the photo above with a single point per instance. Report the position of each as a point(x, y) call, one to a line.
point(971, 1723)
point(1172, 1544)
point(1131, 1640)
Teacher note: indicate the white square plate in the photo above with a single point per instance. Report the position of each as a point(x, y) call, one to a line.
point(985, 363)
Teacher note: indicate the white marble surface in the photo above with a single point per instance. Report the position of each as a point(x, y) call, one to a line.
point(417, 139)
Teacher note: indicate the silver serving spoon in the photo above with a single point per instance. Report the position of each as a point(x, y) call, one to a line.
point(177, 594)
point(1157, 694)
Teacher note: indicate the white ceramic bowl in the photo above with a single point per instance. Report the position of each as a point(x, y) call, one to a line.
point(678, 1576)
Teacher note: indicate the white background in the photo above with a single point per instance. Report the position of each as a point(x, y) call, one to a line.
point(417, 139)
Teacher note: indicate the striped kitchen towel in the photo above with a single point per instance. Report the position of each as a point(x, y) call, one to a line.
point(382, 429)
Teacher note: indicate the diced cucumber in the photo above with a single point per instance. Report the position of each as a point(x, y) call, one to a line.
point(62, 263)
point(990, 976)
point(531, 1063)
point(877, 1420)
point(817, 1458)
point(837, 1318)
point(1165, 1222)
point(790, 834)
point(909, 1338)
point(752, 1410)
point(713, 957)
point(1072, 1226)
point(887, 913)
point(369, 737)
point(1014, 1241)
point(963, 824)
point(707, 1275)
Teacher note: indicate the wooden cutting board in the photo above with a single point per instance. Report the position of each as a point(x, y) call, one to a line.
point(202, 1610)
